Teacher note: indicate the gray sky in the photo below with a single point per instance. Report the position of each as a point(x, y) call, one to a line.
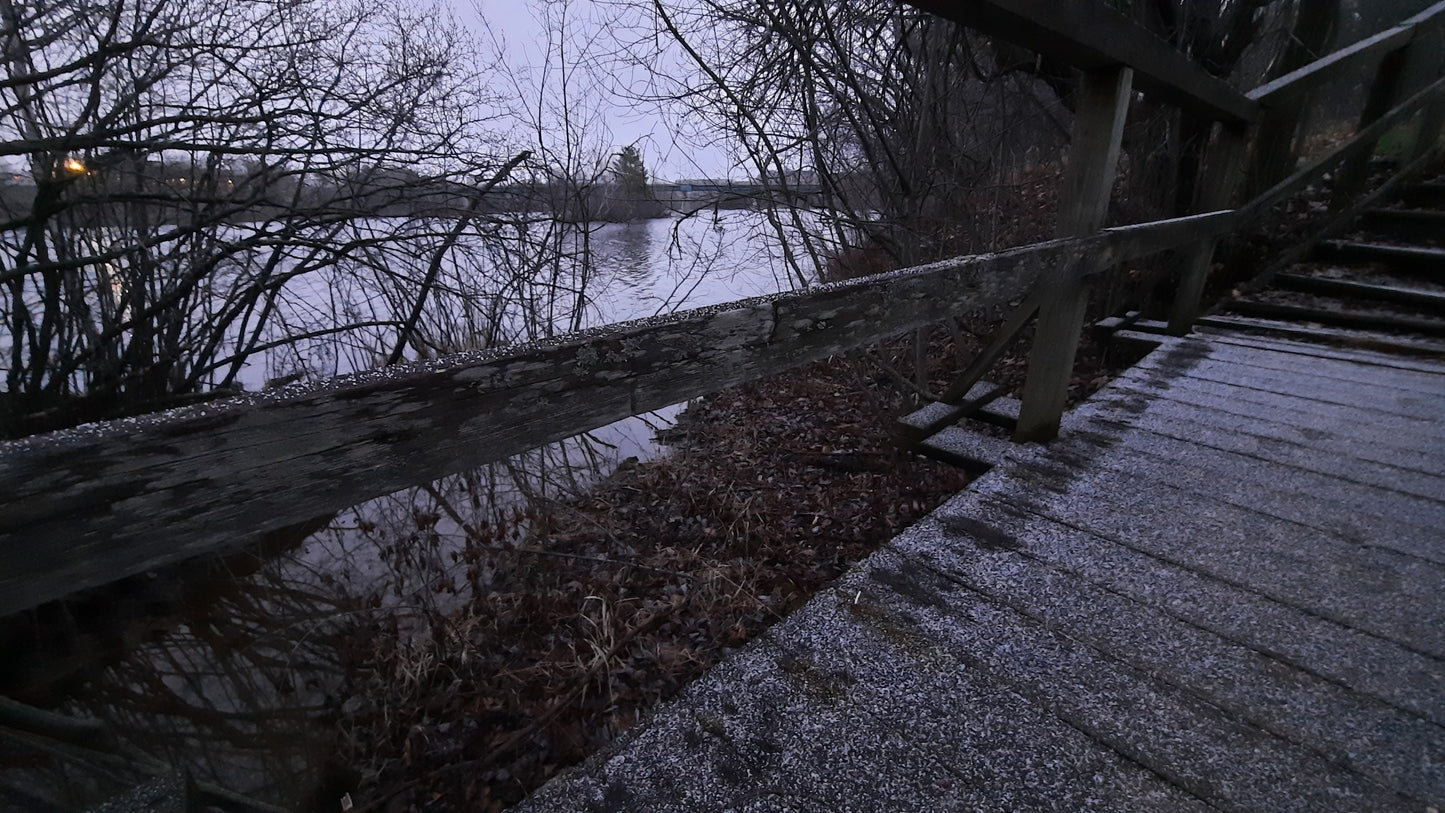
point(616, 122)
point(617, 119)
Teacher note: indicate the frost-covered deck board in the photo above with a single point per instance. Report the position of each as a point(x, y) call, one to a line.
point(85, 507)
point(1147, 614)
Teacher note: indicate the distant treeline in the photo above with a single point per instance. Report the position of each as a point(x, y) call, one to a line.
point(156, 191)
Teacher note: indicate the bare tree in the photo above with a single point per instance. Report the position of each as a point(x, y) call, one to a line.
point(202, 183)
point(905, 121)
point(908, 121)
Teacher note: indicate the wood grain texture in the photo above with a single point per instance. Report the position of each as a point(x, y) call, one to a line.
point(1083, 203)
point(87, 506)
point(1093, 36)
point(1226, 160)
point(1348, 60)
point(1360, 144)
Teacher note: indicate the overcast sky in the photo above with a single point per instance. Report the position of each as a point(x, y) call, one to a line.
point(516, 21)
point(622, 123)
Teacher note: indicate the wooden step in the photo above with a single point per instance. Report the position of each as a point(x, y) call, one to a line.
point(974, 452)
point(916, 426)
point(1323, 335)
point(1430, 193)
point(1134, 323)
point(1419, 224)
point(1324, 316)
point(1359, 290)
point(1405, 258)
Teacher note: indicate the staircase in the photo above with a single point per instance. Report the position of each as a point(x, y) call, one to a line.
point(1382, 286)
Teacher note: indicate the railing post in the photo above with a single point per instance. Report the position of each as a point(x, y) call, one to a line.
point(1385, 92)
point(1224, 168)
point(1084, 201)
point(1432, 119)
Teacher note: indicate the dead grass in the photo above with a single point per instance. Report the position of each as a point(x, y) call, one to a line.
point(612, 602)
point(615, 601)
point(588, 613)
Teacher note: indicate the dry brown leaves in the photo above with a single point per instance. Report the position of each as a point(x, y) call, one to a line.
point(614, 601)
point(617, 600)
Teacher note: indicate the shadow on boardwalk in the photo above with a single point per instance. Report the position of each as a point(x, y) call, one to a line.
point(1221, 587)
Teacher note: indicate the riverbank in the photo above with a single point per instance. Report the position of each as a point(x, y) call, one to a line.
point(611, 602)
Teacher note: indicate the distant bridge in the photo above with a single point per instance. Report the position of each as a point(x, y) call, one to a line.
point(737, 188)
point(690, 196)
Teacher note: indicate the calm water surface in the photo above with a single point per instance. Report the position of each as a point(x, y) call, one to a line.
point(233, 680)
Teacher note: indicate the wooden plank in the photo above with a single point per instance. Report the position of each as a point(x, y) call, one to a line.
point(1084, 201)
point(1429, 193)
point(1370, 431)
point(1340, 338)
point(1384, 92)
point(1346, 60)
point(1143, 239)
point(1337, 222)
point(1340, 318)
point(1334, 364)
point(1225, 163)
point(1091, 36)
point(1360, 144)
point(1421, 258)
point(1417, 224)
point(1382, 403)
point(917, 426)
point(1132, 326)
point(1361, 290)
point(973, 452)
point(87, 506)
point(1318, 350)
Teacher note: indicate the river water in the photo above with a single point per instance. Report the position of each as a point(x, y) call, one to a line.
point(232, 675)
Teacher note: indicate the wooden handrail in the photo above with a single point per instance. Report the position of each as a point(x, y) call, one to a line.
point(1356, 145)
point(1380, 113)
point(1347, 59)
point(1339, 221)
point(1090, 35)
point(1433, 15)
point(87, 506)
point(1332, 65)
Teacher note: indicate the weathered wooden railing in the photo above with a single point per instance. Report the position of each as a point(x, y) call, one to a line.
point(1115, 58)
point(84, 507)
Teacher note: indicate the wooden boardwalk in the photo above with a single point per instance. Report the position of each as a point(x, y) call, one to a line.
point(1223, 587)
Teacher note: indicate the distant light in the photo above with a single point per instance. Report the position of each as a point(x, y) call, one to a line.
point(75, 165)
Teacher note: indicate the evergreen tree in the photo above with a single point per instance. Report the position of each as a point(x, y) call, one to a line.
point(632, 197)
point(630, 173)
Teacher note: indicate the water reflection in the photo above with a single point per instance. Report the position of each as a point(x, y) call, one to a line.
point(242, 688)
point(628, 252)
point(241, 693)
